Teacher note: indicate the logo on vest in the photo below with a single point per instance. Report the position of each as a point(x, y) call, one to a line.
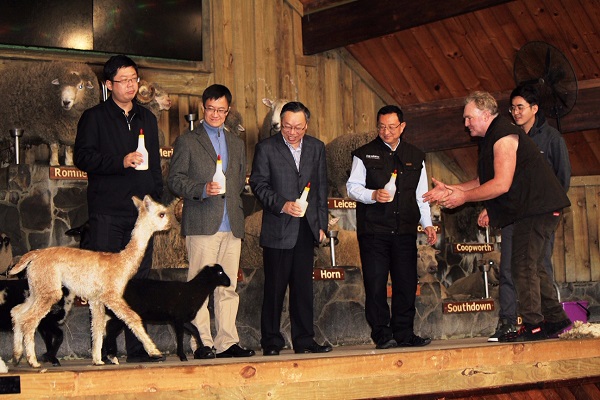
point(373, 156)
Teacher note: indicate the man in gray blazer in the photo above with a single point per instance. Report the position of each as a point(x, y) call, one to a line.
point(213, 223)
point(284, 164)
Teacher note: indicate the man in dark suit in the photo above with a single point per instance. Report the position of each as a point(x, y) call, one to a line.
point(284, 164)
point(212, 221)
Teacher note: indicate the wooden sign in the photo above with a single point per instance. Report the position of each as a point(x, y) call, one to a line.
point(166, 152)
point(472, 247)
point(67, 173)
point(341, 204)
point(436, 226)
point(475, 306)
point(329, 274)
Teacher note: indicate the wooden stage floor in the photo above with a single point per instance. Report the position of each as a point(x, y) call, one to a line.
point(358, 372)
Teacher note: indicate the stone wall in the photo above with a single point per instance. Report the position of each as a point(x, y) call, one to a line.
point(36, 211)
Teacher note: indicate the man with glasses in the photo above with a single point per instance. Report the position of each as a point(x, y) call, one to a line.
point(283, 166)
point(213, 222)
point(517, 186)
point(526, 114)
point(387, 228)
point(105, 148)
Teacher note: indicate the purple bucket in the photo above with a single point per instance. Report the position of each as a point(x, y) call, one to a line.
point(576, 311)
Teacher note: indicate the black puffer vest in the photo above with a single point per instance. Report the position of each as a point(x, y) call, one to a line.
point(401, 215)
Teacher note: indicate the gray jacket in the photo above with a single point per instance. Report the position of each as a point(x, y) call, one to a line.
point(192, 166)
point(275, 180)
point(554, 148)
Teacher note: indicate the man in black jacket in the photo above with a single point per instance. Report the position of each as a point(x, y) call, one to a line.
point(387, 228)
point(105, 148)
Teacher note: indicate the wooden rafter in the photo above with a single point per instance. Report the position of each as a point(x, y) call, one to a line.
point(360, 20)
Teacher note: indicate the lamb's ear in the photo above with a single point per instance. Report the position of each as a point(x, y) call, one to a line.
point(241, 128)
point(89, 85)
point(55, 82)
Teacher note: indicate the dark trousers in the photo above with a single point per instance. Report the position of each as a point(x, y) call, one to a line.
point(508, 294)
point(294, 268)
point(394, 256)
point(112, 233)
point(537, 297)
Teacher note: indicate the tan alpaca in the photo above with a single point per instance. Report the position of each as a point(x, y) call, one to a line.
point(98, 277)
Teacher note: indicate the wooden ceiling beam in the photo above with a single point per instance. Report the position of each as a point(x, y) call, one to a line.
point(439, 125)
point(360, 20)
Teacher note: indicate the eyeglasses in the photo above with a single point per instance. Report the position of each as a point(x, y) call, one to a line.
point(129, 81)
point(519, 107)
point(289, 129)
point(212, 110)
point(391, 128)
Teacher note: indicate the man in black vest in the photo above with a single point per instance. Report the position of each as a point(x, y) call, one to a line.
point(517, 186)
point(527, 114)
point(387, 228)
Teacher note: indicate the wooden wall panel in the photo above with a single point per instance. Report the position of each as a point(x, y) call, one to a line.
point(591, 202)
point(558, 255)
point(249, 104)
point(576, 256)
point(329, 99)
point(580, 235)
point(347, 101)
point(285, 54)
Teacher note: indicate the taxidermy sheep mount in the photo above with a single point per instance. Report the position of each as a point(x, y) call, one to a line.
point(46, 99)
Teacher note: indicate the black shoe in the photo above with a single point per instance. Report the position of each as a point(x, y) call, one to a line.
point(504, 327)
point(204, 353)
point(144, 358)
point(271, 351)
point(236, 351)
point(386, 344)
point(554, 328)
point(527, 333)
point(315, 348)
point(413, 341)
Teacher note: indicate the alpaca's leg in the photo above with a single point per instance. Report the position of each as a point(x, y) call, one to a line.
point(134, 322)
point(41, 305)
point(114, 326)
point(17, 321)
point(98, 322)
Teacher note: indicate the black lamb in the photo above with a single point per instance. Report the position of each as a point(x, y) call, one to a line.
point(14, 292)
point(172, 302)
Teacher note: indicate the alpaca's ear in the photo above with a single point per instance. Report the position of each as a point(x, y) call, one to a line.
point(137, 202)
point(148, 202)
